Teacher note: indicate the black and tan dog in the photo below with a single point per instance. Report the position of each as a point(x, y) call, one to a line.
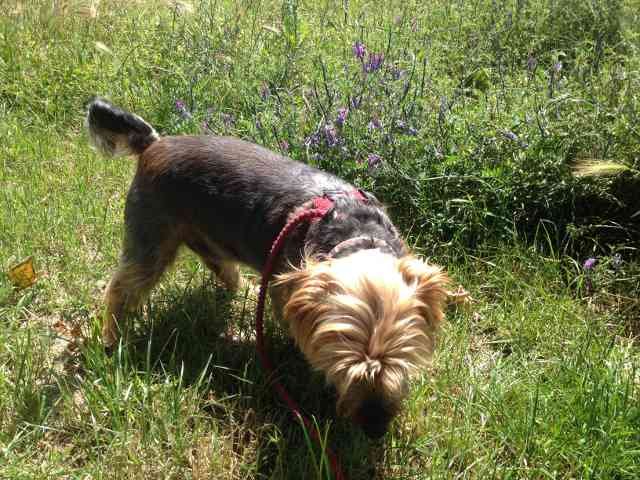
point(361, 308)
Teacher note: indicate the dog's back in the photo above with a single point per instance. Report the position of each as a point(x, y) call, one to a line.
point(234, 192)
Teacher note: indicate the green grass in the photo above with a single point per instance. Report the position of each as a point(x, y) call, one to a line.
point(538, 378)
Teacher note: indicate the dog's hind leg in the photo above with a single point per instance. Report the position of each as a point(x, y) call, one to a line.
point(141, 266)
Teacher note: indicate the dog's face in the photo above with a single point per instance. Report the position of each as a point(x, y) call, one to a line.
point(368, 321)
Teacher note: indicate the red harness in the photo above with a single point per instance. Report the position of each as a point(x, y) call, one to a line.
point(319, 208)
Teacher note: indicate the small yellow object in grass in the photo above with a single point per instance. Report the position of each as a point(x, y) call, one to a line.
point(23, 274)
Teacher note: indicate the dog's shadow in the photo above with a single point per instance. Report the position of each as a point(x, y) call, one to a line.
point(205, 332)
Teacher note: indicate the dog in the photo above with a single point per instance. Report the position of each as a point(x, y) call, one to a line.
point(362, 309)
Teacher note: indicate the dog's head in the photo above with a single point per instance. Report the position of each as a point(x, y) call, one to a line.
point(368, 321)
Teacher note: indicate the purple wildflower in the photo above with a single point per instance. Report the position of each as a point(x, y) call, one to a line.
point(342, 116)
point(330, 135)
point(182, 110)
point(355, 102)
point(511, 136)
point(374, 160)
point(532, 63)
point(359, 50)
point(557, 67)
point(515, 139)
point(284, 145)
point(374, 62)
point(374, 124)
point(589, 263)
point(312, 140)
point(406, 129)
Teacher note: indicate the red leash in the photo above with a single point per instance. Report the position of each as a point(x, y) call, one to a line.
point(321, 206)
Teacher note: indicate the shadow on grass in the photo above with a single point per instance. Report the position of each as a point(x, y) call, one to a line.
point(206, 332)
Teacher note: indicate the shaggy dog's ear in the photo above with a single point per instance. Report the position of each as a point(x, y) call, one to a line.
point(430, 283)
point(304, 290)
point(310, 277)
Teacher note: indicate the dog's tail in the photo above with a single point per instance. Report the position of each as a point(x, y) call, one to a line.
point(115, 132)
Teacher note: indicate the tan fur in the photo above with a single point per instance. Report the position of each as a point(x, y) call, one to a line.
point(130, 284)
point(126, 289)
point(368, 321)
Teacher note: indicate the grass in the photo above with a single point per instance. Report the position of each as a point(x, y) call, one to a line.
point(479, 114)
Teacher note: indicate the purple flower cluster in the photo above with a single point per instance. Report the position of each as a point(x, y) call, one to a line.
point(374, 124)
point(374, 60)
point(513, 137)
point(402, 126)
point(359, 50)
point(373, 63)
point(312, 140)
point(330, 135)
point(374, 161)
point(342, 116)
point(588, 265)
